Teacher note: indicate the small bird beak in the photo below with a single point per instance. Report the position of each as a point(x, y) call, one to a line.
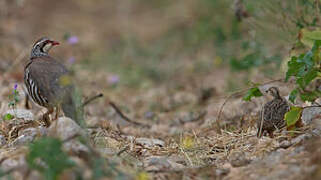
point(54, 43)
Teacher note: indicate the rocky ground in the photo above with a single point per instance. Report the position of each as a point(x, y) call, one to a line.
point(177, 140)
point(165, 64)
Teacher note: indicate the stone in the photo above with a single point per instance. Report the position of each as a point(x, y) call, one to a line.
point(64, 128)
point(309, 114)
point(28, 135)
point(159, 161)
point(28, 132)
point(301, 138)
point(285, 144)
point(22, 140)
point(11, 163)
point(150, 142)
point(75, 147)
point(155, 163)
point(222, 172)
point(238, 159)
point(21, 114)
point(3, 140)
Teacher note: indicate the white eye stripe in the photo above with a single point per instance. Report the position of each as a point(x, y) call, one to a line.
point(40, 42)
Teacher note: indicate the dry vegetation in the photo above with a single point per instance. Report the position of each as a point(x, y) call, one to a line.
point(161, 65)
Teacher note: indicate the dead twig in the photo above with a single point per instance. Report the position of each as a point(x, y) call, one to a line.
point(166, 171)
point(92, 99)
point(124, 117)
point(311, 106)
point(123, 150)
point(261, 125)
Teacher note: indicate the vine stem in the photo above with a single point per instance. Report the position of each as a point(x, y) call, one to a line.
point(311, 106)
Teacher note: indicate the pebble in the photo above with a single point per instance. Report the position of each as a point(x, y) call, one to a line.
point(64, 128)
point(150, 142)
point(309, 114)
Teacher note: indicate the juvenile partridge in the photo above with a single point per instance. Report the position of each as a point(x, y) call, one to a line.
point(48, 82)
point(272, 114)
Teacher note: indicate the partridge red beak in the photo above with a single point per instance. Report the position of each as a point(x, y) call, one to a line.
point(54, 43)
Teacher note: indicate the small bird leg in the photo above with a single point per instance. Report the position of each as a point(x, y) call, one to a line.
point(271, 134)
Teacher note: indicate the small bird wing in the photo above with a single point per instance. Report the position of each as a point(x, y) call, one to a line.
point(274, 113)
point(269, 114)
point(51, 77)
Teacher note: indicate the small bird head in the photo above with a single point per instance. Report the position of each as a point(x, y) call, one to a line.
point(42, 47)
point(273, 91)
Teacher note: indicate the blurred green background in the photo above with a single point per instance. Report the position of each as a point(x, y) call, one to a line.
point(144, 43)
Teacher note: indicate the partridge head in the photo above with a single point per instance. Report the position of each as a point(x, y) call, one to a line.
point(42, 47)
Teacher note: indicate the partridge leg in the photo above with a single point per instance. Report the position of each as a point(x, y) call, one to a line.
point(27, 106)
point(46, 117)
point(57, 112)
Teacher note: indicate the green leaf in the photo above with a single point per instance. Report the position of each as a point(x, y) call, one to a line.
point(307, 78)
point(310, 96)
point(295, 67)
point(45, 155)
point(293, 116)
point(307, 60)
point(303, 65)
point(316, 46)
point(11, 104)
point(16, 99)
point(8, 116)
point(309, 37)
point(293, 95)
point(253, 92)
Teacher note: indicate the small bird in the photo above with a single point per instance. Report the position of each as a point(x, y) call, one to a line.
point(48, 82)
point(272, 114)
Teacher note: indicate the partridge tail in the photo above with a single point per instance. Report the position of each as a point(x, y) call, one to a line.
point(69, 109)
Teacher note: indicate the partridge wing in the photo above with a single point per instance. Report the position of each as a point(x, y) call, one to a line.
point(50, 77)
